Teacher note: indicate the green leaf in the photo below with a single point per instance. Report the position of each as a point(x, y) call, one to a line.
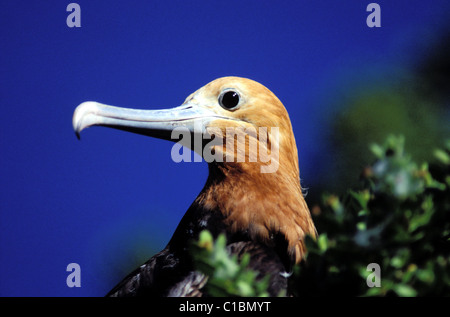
point(322, 242)
point(404, 290)
point(442, 156)
point(377, 150)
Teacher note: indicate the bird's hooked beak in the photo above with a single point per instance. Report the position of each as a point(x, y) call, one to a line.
point(155, 123)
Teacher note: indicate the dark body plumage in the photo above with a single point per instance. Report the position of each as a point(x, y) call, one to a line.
point(171, 273)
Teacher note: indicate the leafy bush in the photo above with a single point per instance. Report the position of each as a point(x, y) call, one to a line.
point(226, 276)
point(398, 219)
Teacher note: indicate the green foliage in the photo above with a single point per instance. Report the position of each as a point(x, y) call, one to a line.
point(411, 100)
point(226, 275)
point(370, 115)
point(399, 219)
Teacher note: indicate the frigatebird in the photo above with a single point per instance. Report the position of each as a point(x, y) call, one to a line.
point(261, 212)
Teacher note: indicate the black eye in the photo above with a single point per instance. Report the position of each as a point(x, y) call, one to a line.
point(229, 99)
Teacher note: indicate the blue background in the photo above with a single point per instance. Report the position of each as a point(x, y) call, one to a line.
point(111, 200)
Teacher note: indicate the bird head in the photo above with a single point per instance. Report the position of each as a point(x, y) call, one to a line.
point(244, 132)
point(230, 120)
